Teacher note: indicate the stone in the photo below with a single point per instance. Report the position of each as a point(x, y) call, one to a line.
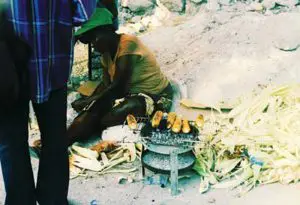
point(126, 16)
point(213, 5)
point(138, 6)
point(173, 5)
point(138, 27)
point(226, 2)
point(271, 3)
point(257, 7)
point(146, 21)
point(127, 29)
point(199, 1)
point(193, 8)
point(136, 19)
point(155, 23)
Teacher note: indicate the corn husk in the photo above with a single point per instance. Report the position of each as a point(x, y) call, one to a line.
point(85, 159)
point(257, 142)
point(85, 163)
point(84, 152)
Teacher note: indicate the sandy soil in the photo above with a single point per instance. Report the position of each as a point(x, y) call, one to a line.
point(222, 55)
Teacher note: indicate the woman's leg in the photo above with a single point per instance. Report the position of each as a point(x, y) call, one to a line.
point(89, 123)
point(132, 105)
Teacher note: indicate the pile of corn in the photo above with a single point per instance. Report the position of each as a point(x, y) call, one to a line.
point(258, 142)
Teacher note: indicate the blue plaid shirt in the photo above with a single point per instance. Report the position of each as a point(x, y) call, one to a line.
point(47, 26)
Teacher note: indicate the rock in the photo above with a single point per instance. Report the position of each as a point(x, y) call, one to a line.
point(127, 30)
point(257, 7)
point(125, 16)
point(155, 23)
point(146, 21)
point(138, 6)
point(136, 19)
point(287, 3)
point(132, 28)
point(226, 2)
point(268, 4)
point(173, 5)
point(297, 9)
point(192, 8)
point(161, 13)
point(213, 5)
point(211, 201)
point(199, 1)
point(138, 27)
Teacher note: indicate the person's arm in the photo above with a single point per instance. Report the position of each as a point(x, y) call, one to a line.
point(105, 94)
point(79, 104)
point(82, 10)
point(119, 87)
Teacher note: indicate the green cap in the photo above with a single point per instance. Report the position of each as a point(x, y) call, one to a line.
point(100, 17)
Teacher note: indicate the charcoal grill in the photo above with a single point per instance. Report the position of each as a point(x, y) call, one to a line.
point(167, 152)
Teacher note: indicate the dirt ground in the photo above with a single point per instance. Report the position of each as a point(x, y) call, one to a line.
point(222, 55)
point(217, 56)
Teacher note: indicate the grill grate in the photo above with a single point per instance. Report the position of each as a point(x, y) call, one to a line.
point(164, 136)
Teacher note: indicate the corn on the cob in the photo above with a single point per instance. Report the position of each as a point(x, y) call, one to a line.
point(199, 121)
point(186, 126)
point(131, 121)
point(157, 118)
point(171, 119)
point(176, 128)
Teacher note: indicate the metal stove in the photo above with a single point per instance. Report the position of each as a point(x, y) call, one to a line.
point(166, 152)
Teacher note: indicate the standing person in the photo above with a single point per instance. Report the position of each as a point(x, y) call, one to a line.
point(47, 27)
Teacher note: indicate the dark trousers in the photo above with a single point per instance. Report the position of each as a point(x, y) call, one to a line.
point(53, 174)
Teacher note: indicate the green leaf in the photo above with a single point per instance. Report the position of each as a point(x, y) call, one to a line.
point(199, 167)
